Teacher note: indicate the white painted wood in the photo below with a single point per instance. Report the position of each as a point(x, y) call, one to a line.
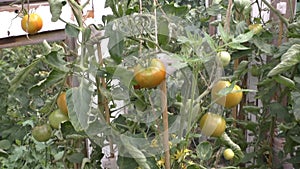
point(12, 22)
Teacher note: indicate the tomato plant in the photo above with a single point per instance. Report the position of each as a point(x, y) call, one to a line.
point(133, 31)
point(212, 124)
point(229, 100)
point(42, 133)
point(56, 118)
point(150, 76)
point(32, 23)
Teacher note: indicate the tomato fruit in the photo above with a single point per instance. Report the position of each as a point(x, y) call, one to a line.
point(62, 103)
point(224, 57)
point(151, 76)
point(56, 118)
point(231, 99)
point(256, 28)
point(212, 124)
point(42, 133)
point(32, 23)
point(228, 154)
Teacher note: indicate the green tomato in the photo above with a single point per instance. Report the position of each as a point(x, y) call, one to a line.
point(224, 57)
point(56, 118)
point(212, 125)
point(42, 133)
point(256, 28)
point(228, 154)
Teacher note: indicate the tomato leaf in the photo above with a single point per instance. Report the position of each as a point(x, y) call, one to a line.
point(226, 90)
point(78, 101)
point(295, 139)
point(204, 150)
point(243, 37)
point(77, 11)
point(216, 9)
point(175, 10)
point(116, 45)
point(20, 77)
point(54, 77)
point(263, 46)
point(224, 36)
point(241, 70)
point(75, 157)
point(210, 41)
point(288, 60)
point(71, 30)
point(5, 144)
point(56, 8)
point(59, 155)
point(193, 166)
point(279, 111)
point(238, 46)
point(126, 162)
point(138, 156)
point(283, 48)
point(296, 104)
point(284, 81)
point(55, 59)
point(68, 130)
point(163, 31)
point(87, 34)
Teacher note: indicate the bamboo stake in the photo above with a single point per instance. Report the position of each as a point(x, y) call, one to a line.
point(164, 101)
point(105, 101)
point(273, 120)
point(165, 124)
point(228, 14)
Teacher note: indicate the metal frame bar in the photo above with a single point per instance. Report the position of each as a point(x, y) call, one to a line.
point(50, 36)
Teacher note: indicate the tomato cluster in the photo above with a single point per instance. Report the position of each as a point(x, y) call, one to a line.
point(43, 133)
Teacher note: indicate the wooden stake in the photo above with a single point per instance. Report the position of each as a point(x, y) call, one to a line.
point(228, 14)
point(165, 124)
point(164, 102)
point(105, 101)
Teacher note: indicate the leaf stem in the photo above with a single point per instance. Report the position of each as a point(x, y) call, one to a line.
point(280, 16)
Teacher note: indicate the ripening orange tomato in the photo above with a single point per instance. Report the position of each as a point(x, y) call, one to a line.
point(151, 76)
point(32, 23)
point(62, 103)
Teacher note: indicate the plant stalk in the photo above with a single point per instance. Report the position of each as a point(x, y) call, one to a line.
point(280, 16)
point(104, 99)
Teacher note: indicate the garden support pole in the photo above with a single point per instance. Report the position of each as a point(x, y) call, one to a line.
point(164, 105)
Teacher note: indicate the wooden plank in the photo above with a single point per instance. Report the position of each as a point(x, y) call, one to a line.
point(50, 36)
point(17, 7)
point(10, 2)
